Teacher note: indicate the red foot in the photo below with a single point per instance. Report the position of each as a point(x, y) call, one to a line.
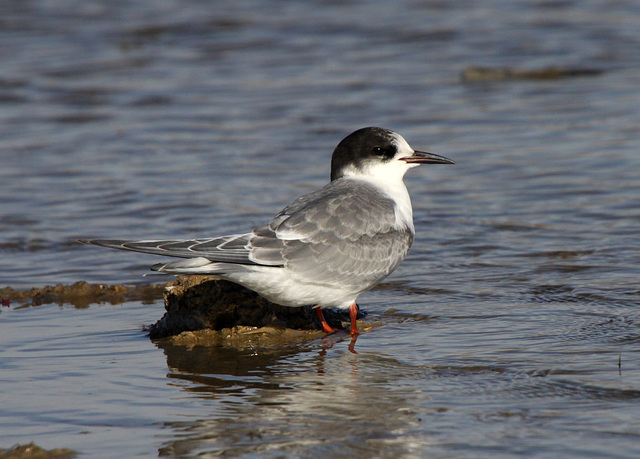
point(325, 326)
point(353, 314)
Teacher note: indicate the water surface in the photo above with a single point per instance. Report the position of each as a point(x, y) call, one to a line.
point(515, 322)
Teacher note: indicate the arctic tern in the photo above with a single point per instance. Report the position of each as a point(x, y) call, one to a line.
point(327, 247)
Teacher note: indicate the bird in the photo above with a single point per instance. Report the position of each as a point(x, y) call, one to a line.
point(327, 247)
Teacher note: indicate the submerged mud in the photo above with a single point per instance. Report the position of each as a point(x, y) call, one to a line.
point(81, 294)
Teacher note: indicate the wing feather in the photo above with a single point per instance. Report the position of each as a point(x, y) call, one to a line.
point(345, 233)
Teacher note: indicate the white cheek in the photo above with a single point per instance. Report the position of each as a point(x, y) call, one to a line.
point(392, 170)
point(388, 171)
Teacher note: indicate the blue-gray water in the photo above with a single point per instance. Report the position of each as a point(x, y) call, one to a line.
point(516, 324)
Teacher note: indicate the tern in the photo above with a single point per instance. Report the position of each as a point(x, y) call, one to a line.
point(327, 247)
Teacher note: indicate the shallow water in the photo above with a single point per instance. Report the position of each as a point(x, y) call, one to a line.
point(516, 324)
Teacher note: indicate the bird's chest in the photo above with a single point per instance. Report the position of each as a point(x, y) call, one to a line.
point(404, 211)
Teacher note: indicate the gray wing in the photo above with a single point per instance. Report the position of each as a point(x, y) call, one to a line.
point(344, 233)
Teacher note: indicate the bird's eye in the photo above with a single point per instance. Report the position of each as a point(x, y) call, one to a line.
point(384, 152)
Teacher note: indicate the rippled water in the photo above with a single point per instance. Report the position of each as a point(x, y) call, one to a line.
point(515, 328)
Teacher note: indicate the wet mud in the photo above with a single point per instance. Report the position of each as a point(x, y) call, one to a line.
point(243, 336)
point(81, 294)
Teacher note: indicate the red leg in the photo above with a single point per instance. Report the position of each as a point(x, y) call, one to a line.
point(325, 326)
point(353, 314)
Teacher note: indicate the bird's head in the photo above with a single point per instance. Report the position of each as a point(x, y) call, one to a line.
point(374, 151)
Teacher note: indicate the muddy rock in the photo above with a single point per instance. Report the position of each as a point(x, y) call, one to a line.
point(199, 302)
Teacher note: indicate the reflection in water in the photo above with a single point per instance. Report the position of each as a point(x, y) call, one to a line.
point(291, 400)
point(319, 398)
point(450, 385)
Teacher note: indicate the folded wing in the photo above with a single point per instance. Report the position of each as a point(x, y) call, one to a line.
point(345, 232)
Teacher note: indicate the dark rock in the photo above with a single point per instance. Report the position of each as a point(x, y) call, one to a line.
point(200, 302)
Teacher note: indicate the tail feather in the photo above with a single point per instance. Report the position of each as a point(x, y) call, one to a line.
point(226, 249)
